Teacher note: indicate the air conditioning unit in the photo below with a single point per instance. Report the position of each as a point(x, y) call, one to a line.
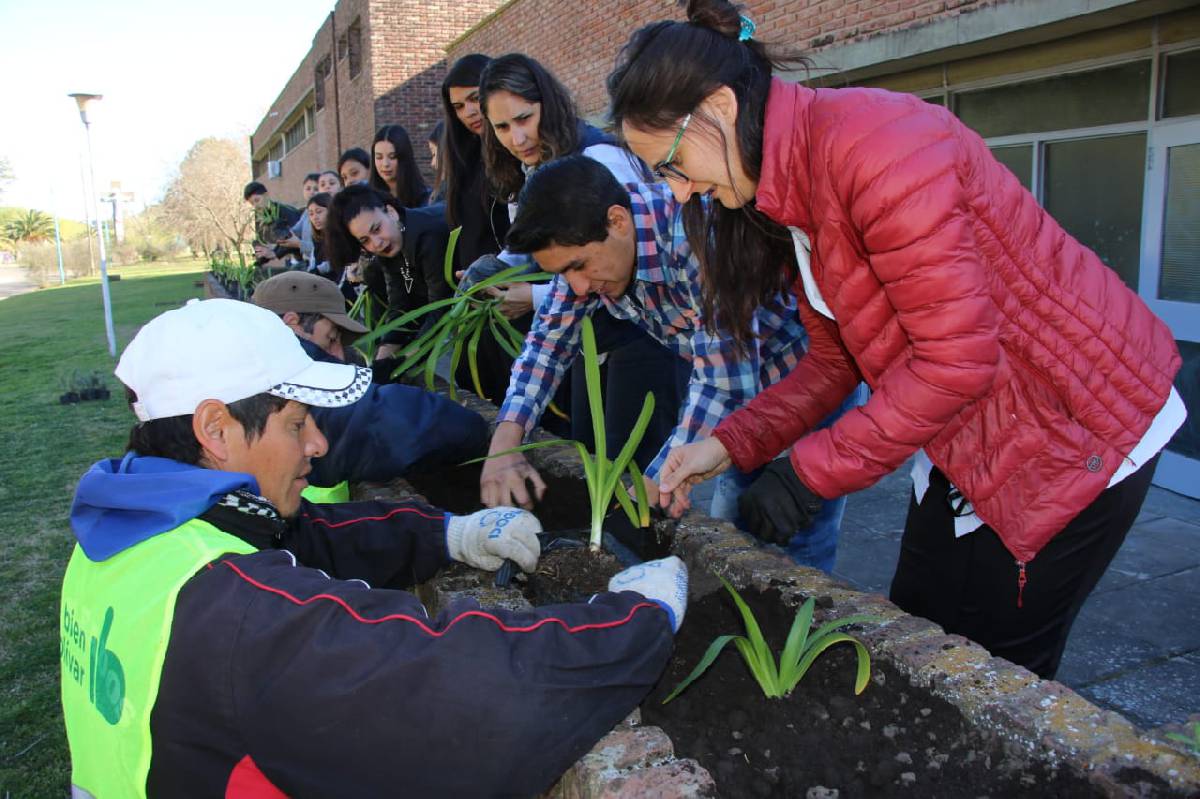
point(274, 169)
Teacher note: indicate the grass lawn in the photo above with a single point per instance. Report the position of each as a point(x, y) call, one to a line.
point(44, 448)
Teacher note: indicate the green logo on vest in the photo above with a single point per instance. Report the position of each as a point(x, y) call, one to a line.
point(105, 676)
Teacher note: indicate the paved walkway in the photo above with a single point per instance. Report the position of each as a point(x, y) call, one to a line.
point(13, 281)
point(1135, 647)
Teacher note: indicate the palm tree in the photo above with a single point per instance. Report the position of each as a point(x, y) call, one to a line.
point(31, 226)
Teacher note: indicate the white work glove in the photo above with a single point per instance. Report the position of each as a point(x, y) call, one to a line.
point(663, 581)
point(485, 538)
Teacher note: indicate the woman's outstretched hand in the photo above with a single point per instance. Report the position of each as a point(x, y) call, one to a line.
point(687, 465)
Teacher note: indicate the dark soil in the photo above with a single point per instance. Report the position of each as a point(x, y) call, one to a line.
point(456, 489)
point(570, 575)
point(893, 740)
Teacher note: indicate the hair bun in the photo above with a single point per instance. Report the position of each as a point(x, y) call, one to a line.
point(720, 16)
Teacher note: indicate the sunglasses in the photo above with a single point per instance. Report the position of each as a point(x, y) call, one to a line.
point(664, 169)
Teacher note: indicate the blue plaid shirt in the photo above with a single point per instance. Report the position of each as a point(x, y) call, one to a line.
point(664, 300)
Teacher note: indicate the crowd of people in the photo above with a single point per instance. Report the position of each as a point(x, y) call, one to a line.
point(817, 286)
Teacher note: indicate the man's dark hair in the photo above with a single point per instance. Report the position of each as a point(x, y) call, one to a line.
point(253, 188)
point(313, 176)
point(173, 438)
point(566, 203)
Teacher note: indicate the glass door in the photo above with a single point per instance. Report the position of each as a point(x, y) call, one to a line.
point(1169, 280)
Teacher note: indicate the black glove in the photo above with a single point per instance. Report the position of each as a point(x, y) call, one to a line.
point(777, 504)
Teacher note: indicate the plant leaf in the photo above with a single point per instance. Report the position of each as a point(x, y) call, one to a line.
point(591, 366)
point(639, 490)
point(797, 642)
point(710, 655)
point(502, 338)
point(819, 645)
point(625, 456)
point(473, 353)
point(448, 261)
point(762, 671)
point(753, 633)
point(627, 504)
point(845, 621)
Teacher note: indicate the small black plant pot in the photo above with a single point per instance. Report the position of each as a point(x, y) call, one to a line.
point(103, 393)
point(70, 398)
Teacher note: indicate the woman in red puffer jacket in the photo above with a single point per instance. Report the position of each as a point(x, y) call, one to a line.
point(1033, 387)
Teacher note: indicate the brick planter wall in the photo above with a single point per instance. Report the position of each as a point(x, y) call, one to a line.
point(1037, 721)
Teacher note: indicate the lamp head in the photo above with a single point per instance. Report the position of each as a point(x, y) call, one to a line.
point(85, 101)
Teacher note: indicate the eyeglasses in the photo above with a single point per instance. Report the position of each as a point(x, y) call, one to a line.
point(664, 169)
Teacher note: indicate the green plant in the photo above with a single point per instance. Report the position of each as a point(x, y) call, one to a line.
point(464, 318)
point(603, 477)
point(799, 651)
point(1191, 742)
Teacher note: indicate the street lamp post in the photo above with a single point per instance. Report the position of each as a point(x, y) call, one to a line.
point(84, 101)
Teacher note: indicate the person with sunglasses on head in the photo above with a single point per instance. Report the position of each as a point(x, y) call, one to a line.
point(1031, 387)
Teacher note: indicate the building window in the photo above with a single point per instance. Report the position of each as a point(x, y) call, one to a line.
point(310, 121)
point(296, 134)
point(1077, 100)
point(320, 73)
point(341, 46)
point(1181, 89)
point(354, 47)
point(276, 151)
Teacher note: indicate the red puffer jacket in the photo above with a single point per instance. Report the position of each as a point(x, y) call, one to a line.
point(1008, 350)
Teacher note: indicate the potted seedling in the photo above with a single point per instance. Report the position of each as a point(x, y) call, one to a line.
point(70, 394)
point(778, 678)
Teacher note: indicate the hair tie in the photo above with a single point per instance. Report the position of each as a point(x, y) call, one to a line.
point(747, 30)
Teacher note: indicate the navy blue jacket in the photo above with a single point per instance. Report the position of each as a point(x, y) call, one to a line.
point(301, 669)
point(390, 430)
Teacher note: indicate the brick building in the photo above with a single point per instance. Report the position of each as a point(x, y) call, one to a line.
point(1093, 104)
point(372, 63)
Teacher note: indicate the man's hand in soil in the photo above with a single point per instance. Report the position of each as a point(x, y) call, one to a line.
point(507, 480)
point(485, 538)
point(663, 581)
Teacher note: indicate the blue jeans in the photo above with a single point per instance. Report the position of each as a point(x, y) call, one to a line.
point(815, 546)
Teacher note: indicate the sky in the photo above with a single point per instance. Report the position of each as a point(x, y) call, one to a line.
point(171, 72)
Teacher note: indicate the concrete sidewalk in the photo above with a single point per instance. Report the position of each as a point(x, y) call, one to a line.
point(14, 280)
point(1135, 647)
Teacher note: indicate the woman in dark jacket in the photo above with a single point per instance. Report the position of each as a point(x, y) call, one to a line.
point(409, 245)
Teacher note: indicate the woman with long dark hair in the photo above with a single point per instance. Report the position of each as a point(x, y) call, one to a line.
point(1033, 388)
point(484, 220)
point(394, 167)
point(318, 210)
point(532, 120)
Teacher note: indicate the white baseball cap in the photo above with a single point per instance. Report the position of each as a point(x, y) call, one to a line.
point(227, 350)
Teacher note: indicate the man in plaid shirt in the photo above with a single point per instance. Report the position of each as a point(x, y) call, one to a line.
point(624, 249)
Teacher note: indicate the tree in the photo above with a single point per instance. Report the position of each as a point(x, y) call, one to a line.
point(6, 175)
point(203, 202)
point(30, 226)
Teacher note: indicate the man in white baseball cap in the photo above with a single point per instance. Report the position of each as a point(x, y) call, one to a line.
point(220, 636)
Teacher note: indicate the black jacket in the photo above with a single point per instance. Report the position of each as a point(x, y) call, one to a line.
point(285, 666)
point(390, 430)
point(416, 275)
point(483, 218)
